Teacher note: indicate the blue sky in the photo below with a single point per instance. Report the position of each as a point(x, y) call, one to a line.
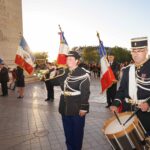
point(117, 22)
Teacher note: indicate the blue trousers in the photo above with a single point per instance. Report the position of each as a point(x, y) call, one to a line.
point(74, 131)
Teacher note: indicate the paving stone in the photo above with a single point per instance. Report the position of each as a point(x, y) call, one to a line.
point(33, 124)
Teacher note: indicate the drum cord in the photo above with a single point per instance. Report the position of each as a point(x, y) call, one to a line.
point(129, 139)
point(117, 118)
point(134, 113)
point(146, 141)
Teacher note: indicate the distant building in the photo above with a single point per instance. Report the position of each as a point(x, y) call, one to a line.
point(10, 29)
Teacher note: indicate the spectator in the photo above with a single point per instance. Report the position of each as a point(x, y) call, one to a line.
point(4, 78)
point(12, 84)
point(20, 83)
point(111, 91)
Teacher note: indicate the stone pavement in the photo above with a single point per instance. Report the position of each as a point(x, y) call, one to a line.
point(33, 124)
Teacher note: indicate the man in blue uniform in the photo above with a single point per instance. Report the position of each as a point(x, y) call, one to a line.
point(73, 107)
point(135, 83)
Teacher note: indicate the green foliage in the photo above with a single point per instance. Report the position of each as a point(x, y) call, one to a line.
point(121, 54)
point(91, 54)
point(40, 58)
point(41, 55)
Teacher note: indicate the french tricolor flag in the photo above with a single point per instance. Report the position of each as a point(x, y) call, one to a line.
point(107, 76)
point(24, 58)
point(63, 50)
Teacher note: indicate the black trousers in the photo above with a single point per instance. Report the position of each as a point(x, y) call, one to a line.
point(111, 92)
point(50, 90)
point(144, 117)
point(4, 88)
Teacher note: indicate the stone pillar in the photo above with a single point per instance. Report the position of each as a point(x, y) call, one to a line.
point(10, 29)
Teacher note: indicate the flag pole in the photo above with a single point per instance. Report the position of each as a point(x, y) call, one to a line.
point(60, 28)
point(20, 36)
point(98, 36)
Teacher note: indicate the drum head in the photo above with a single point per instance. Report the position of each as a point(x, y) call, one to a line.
point(112, 125)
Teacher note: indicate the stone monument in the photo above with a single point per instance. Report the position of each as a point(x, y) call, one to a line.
point(10, 29)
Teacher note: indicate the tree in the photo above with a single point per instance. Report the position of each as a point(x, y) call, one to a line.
point(121, 54)
point(90, 54)
point(40, 59)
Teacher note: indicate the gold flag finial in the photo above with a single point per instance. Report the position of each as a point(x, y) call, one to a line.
point(98, 36)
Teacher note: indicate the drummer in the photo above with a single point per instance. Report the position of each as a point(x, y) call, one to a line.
point(134, 90)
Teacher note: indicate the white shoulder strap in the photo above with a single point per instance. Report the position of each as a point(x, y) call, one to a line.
point(132, 83)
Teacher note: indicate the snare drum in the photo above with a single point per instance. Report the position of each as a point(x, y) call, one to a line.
point(127, 137)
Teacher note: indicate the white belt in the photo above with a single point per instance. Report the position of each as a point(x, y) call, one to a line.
point(132, 101)
point(67, 93)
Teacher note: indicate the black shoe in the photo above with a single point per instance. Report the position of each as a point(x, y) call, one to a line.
point(20, 97)
point(47, 99)
point(107, 106)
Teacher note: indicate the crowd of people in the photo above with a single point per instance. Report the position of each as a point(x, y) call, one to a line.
point(133, 92)
point(10, 79)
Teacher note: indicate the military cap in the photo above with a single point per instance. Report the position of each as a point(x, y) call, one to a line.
point(140, 42)
point(73, 54)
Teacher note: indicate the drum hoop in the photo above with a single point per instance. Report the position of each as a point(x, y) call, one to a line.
point(122, 132)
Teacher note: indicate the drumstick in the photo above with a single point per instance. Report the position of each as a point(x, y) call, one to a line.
point(132, 116)
point(117, 118)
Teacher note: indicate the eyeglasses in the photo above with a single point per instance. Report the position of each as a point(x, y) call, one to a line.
point(138, 50)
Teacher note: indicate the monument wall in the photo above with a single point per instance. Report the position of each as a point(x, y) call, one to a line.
point(10, 29)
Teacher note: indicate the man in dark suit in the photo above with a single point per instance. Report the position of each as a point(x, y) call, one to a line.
point(49, 86)
point(4, 78)
point(111, 91)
